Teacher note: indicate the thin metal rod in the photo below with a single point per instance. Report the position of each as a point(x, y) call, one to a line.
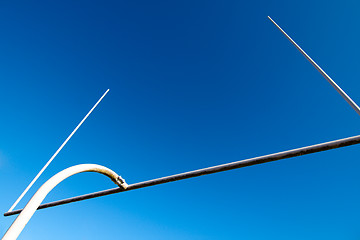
point(327, 77)
point(219, 168)
point(56, 153)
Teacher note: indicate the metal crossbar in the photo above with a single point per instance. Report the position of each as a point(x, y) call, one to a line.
point(210, 170)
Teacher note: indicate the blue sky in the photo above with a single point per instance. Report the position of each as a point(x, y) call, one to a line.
point(192, 84)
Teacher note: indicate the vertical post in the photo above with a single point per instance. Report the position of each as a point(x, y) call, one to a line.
point(56, 153)
point(327, 77)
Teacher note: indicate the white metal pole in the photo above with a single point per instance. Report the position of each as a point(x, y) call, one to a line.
point(327, 77)
point(56, 153)
point(18, 225)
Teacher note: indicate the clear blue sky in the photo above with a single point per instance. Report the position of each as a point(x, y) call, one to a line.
point(192, 84)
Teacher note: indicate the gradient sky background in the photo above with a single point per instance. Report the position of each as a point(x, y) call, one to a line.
point(192, 84)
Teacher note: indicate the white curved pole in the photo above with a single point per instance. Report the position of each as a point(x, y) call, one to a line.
point(18, 225)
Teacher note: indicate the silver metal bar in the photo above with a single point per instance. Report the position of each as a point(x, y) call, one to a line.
point(327, 77)
point(219, 168)
point(56, 153)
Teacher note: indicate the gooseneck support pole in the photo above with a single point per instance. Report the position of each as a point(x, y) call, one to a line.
point(18, 225)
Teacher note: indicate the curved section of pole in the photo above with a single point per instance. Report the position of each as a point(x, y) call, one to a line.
point(20, 222)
